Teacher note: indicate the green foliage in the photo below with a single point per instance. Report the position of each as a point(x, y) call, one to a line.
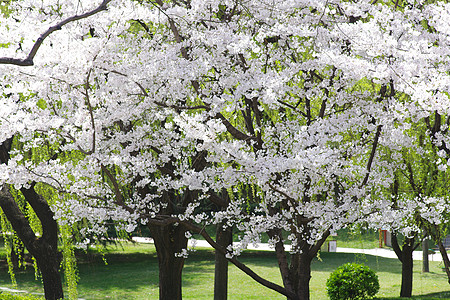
point(352, 281)
point(69, 261)
point(7, 296)
point(6, 229)
point(41, 104)
point(5, 11)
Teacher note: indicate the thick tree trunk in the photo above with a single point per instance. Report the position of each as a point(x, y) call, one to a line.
point(304, 276)
point(282, 259)
point(296, 276)
point(223, 238)
point(169, 241)
point(407, 273)
point(300, 268)
point(300, 274)
point(45, 249)
point(405, 256)
point(50, 274)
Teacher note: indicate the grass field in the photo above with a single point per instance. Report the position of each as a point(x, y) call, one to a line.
point(133, 274)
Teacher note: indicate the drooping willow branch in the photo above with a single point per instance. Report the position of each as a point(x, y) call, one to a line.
point(28, 61)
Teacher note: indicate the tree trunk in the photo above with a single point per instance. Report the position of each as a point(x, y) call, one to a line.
point(49, 267)
point(405, 257)
point(43, 249)
point(282, 259)
point(300, 267)
point(304, 276)
point(425, 259)
point(445, 259)
point(300, 274)
point(407, 272)
point(300, 271)
point(223, 238)
point(169, 241)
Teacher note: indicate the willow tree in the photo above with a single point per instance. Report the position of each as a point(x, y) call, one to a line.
point(41, 239)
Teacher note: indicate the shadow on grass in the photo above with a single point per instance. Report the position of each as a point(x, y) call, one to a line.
point(127, 273)
point(133, 271)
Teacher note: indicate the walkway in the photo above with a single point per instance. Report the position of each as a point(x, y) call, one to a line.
point(382, 252)
point(386, 252)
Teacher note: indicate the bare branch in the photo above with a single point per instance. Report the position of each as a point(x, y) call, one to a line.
point(372, 155)
point(182, 107)
point(230, 128)
point(48, 177)
point(281, 192)
point(28, 61)
point(292, 107)
point(316, 247)
point(70, 137)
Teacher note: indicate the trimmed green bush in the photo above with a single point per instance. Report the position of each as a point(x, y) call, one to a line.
point(351, 282)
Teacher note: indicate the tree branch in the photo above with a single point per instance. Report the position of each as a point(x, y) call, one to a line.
point(396, 247)
point(119, 197)
point(281, 192)
point(236, 133)
point(91, 113)
point(44, 213)
point(283, 263)
point(372, 155)
point(217, 200)
point(16, 217)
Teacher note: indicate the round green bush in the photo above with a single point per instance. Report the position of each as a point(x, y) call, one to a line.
point(352, 281)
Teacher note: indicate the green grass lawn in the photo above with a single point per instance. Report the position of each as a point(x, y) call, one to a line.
point(133, 274)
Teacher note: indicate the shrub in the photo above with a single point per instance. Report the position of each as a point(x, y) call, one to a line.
point(352, 281)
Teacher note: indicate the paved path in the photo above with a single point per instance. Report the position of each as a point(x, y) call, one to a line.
point(385, 252)
point(381, 252)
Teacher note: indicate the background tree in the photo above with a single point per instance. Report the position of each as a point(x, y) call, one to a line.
point(418, 194)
